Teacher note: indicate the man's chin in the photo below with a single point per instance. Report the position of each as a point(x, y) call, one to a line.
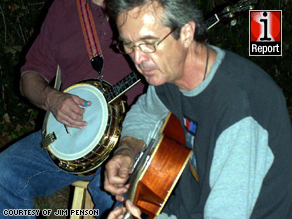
point(154, 81)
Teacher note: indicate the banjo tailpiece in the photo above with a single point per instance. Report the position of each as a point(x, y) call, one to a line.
point(47, 140)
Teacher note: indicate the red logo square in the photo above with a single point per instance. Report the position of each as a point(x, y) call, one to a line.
point(265, 32)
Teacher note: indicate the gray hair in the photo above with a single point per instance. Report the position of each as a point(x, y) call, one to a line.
point(177, 13)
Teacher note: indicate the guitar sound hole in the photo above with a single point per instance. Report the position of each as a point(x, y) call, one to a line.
point(144, 216)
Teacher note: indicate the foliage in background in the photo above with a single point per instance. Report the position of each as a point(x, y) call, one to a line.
point(18, 25)
point(20, 21)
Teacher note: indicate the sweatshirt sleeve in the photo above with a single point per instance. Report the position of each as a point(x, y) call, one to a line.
point(144, 116)
point(242, 158)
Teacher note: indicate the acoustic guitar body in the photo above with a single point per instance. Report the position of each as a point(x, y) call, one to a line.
point(160, 170)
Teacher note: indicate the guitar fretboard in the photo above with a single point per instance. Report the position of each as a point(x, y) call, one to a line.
point(122, 86)
point(229, 12)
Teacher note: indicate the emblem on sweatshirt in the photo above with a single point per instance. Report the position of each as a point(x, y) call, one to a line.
point(191, 130)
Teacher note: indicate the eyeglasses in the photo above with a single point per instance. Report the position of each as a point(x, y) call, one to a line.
point(128, 48)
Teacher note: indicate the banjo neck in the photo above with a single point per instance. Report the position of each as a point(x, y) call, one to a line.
point(122, 86)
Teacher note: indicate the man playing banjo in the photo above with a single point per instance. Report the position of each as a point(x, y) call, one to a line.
point(27, 170)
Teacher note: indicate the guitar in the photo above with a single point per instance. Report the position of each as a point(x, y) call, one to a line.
point(230, 11)
point(158, 168)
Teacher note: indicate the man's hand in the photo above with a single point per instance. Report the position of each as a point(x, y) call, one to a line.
point(66, 108)
point(117, 173)
point(118, 213)
point(119, 168)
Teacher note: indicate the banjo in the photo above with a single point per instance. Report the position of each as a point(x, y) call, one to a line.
point(82, 150)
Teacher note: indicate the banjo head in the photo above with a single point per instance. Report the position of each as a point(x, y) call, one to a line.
point(78, 142)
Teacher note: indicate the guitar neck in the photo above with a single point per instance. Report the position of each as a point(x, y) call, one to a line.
point(122, 86)
point(212, 21)
point(230, 11)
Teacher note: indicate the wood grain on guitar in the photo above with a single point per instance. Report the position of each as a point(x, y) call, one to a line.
point(159, 169)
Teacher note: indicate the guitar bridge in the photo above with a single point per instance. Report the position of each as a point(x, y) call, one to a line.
point(49, 139)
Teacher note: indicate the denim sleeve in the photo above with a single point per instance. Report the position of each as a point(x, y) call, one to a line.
point(144, 116)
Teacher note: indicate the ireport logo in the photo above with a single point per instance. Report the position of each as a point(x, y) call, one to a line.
point(265, 32)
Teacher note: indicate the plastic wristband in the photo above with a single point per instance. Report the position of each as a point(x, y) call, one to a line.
point(125, 147)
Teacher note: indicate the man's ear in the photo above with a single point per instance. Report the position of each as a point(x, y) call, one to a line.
point(187, 33)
